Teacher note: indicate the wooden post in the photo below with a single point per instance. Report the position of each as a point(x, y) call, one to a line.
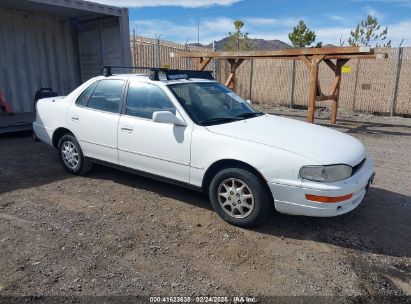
point(201, 65)
point(335, 89)
point(234, 64)
point(199, 61)
point(230, 83)
point(313, 87)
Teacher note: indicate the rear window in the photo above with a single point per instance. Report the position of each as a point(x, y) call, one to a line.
point(85, 96)
point(107, 96)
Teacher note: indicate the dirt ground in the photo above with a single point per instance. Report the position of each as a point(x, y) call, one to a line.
point(114, 233)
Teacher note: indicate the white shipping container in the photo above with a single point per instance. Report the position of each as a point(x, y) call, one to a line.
point(57, 44)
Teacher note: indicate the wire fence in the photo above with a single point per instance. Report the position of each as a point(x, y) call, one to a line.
point(373, 86)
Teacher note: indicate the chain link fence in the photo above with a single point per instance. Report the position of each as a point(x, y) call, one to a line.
point(373, 86)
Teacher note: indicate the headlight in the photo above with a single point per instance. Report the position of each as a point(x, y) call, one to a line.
point(326, 174)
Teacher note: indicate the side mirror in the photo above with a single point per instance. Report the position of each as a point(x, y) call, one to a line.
point(168, 118)
point(249, 101)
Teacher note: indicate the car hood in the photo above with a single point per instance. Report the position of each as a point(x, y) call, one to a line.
point(323, 145)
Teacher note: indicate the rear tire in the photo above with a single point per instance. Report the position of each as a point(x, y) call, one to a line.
point(240, 197)
point(71, 156)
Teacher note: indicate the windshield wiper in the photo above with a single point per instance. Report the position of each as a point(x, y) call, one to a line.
point(218, 120)
point(250, 114)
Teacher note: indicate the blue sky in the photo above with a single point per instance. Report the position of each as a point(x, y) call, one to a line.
point(176, 20)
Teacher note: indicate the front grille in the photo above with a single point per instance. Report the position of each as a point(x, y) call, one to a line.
point(357, 167)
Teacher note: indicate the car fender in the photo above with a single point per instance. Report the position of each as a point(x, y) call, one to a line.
point(275, 165)
point(50, 116)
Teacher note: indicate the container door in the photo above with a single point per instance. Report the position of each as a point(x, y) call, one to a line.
point(99, 44)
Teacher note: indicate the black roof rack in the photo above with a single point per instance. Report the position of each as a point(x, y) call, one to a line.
point(163, 73)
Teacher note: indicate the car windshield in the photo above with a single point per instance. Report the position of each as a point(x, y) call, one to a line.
point(210, 103)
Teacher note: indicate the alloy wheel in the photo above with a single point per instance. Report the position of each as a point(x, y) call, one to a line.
point(236, 198)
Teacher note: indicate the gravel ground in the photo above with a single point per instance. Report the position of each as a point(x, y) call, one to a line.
point(114, 233)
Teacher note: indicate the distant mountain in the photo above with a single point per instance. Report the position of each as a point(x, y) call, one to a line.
point(259, 44)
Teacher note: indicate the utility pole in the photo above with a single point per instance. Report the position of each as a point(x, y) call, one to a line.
point(214, 62)
point(293, 71)
point(397, 80)
point(250, 85)
point(185, 50)
point(158, 52)
point(198, 31)
point(134, 48)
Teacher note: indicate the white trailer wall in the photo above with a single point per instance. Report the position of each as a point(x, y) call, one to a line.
point(57, 44)
point(35, 51)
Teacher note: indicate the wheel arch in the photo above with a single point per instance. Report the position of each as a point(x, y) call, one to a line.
point(228, 163)
point(59, 133)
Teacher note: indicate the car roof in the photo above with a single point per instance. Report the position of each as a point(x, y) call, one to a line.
point(146, 78)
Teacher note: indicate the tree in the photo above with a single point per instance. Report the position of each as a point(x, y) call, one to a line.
point(238, 40)
point(301, 36)
point(368, 32)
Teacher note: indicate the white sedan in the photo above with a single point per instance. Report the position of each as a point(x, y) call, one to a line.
point(200, 134)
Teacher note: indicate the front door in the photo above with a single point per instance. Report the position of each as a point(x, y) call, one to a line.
point(157, 148)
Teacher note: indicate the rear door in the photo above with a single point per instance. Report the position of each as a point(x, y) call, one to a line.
point(94, 119)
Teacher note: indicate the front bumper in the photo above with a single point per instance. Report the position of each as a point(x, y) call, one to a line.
point(291, 199)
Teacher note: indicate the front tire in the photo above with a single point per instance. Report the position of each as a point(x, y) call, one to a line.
point(71, 156)
point(240, 197)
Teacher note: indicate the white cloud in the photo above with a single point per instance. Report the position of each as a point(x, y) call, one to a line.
point(271, 21)
point(374, 13)
point(406, 3)
point(337, 18)
point(332, 35)
point(154, 3)
point(398, 31)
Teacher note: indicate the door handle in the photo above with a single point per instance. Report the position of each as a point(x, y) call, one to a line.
point(127, 129)
point(75, 118)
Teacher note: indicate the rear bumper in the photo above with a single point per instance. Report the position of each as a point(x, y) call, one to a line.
point(292, 200)
point(45, 135)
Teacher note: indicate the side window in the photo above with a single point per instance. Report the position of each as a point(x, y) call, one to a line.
point(107, 96)
point(183, 94)
point(85, 96)
point(144, 99)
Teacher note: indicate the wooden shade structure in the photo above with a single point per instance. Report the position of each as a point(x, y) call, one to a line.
point(334, 57)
